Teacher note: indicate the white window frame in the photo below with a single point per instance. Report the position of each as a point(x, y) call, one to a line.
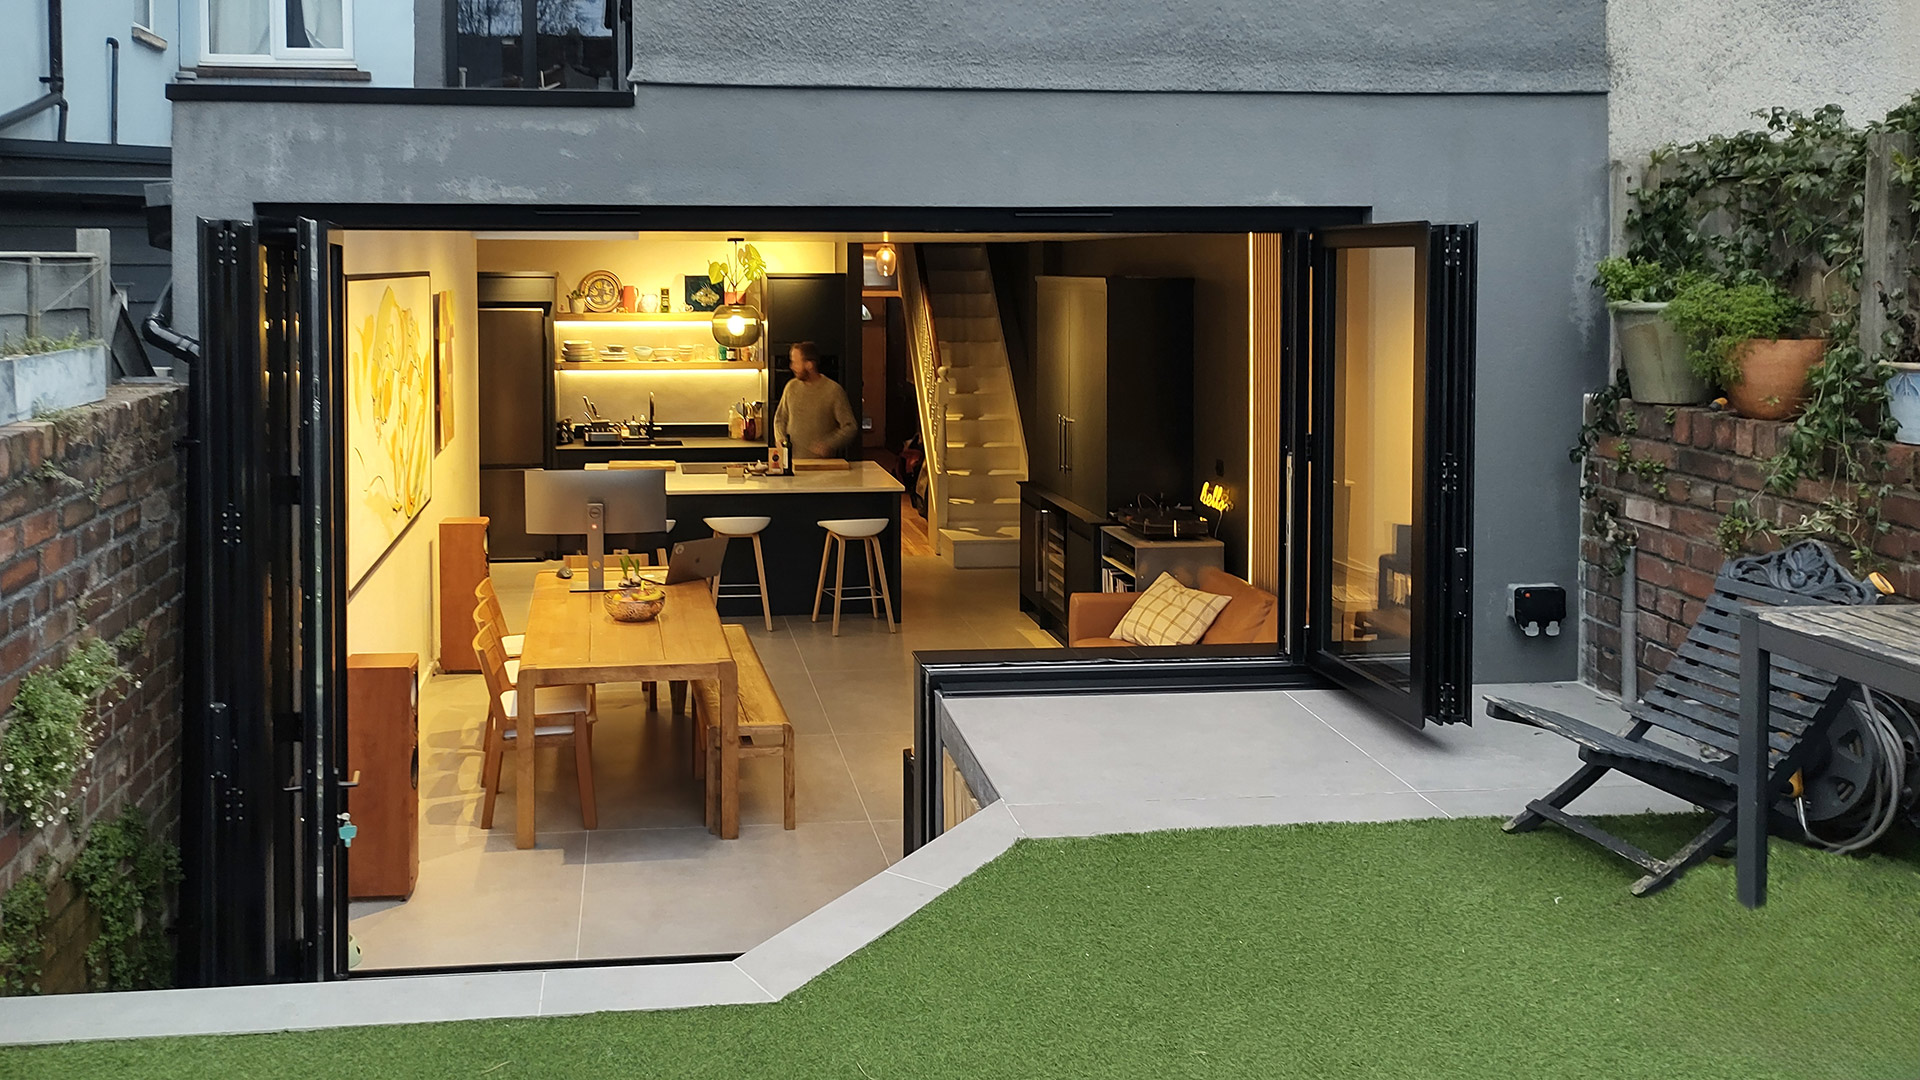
point(280, 55)
point(144, 22)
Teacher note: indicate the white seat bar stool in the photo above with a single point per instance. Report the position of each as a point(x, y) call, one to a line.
point(842, 530)
point(744, 528)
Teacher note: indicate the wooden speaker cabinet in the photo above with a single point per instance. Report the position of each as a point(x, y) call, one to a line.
point(383, 746)
point(463, 562)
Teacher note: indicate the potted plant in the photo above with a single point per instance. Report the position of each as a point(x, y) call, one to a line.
point(1748, 339)
point(1651, 349)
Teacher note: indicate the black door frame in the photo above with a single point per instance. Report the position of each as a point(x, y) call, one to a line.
point(265, 646)
point(232, 929)
point(1440, 658)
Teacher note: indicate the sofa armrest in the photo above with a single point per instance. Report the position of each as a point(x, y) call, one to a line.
point(1094, 615)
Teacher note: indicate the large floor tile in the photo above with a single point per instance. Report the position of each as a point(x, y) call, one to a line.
point(859, 703)
point(683, 892)
point(1486, 754)
point(1159, 815)
point(492, 905)
point(875, 763)
point(1620, 797)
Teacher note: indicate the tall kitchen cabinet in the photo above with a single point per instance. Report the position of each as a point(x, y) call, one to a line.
point(1113, 389)
point(1113, 386)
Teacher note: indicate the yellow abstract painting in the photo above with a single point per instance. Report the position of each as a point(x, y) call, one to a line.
point(390, 418)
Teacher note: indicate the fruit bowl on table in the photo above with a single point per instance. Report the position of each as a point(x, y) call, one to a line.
point(639, 602)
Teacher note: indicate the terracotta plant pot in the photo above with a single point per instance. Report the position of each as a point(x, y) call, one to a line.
point(1773, 376)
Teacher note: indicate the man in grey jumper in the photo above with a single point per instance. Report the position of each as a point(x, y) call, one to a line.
point(813, 410)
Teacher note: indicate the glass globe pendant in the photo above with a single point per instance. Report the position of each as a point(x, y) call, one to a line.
point(886, 258)
point(736, 325)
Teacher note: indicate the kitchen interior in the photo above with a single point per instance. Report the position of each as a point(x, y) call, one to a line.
point(1090, 405)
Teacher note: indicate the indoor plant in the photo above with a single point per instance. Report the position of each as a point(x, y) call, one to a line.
point(1746, 338)
point(1652, 351)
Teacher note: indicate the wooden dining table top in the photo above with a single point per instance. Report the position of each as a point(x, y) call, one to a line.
point(570, 638)
point(569, 634)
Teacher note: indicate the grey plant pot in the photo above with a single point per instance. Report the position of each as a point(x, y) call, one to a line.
point(53, 380)
point(1655, 356)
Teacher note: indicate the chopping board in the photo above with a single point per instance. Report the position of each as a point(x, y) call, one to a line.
point(821, 464)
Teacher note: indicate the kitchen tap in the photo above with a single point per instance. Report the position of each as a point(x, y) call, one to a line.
point(649, 412)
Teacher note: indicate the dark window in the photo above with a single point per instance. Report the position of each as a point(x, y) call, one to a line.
point(574, 44)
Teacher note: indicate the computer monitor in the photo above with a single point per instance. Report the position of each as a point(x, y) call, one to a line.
point(591, 503)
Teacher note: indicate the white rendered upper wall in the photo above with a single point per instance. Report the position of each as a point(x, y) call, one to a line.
point(1680, 70)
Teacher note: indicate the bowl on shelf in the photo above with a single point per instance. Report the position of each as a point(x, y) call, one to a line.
point(641, 603)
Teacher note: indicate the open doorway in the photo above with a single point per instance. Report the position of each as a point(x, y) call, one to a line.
point(1042, 426)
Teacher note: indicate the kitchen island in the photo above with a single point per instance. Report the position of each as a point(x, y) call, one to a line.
point(573, 455)
point(793, 541)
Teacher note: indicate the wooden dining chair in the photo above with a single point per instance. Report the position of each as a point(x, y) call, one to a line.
point(559, 712)
point(511, 644)
point(483, 623)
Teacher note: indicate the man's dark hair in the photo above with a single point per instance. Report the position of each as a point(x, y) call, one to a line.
point(809, 352)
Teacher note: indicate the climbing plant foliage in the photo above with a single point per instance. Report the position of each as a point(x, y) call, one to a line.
point(51, 730)
point(126, 874)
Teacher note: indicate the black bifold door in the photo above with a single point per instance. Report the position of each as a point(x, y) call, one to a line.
point(1389, 483)
point(264, 722)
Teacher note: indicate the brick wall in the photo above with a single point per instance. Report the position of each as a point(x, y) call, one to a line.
point(95, 555)
point(1711, 460)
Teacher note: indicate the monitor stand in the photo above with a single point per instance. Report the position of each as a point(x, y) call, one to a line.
point(596, 579)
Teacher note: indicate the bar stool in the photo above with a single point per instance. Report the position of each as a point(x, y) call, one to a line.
point(842, 530)
point(744, 528)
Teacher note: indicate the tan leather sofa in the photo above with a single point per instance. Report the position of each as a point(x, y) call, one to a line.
point(1251, 617)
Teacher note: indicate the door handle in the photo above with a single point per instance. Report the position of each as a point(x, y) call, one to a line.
point(1067, 442)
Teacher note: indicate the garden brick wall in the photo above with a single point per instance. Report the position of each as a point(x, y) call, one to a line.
point(1711, 459)
point(95, 558)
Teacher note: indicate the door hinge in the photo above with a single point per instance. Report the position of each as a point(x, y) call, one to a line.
point(229, 526)
point(1449, 474)
point(1452, 250)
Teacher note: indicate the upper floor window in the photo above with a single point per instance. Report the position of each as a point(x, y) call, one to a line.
point(539, 44)
point(308, 32)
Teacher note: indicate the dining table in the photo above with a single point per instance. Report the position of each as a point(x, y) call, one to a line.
point(571, 639)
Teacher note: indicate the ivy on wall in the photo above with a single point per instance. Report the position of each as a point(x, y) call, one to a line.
point(126, 875)
point(1782, 205)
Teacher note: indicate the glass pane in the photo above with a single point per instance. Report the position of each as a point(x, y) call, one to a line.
point(316, 24)
point(1373, 460)
point(239, 27)
point(488, 49)
point(576, 45)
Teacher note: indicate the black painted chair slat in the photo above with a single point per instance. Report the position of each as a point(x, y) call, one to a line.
point(1697, 698)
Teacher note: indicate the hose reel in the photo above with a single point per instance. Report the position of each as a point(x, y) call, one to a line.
point(1861, 775)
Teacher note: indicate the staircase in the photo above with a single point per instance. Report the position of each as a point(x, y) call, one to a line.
point(982, 456)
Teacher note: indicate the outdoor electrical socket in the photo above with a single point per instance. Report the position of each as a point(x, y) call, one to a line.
point(1535, 606)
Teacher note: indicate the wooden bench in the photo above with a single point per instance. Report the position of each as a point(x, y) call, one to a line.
point(764, 729)
point(1693, 713)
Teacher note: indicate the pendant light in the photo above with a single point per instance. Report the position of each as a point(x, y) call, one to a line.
point(736, 325)
point(885, 259)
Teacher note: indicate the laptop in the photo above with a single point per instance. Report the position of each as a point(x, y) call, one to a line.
point(691, 560)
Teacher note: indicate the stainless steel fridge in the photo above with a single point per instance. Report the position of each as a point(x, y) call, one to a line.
point(516, 383)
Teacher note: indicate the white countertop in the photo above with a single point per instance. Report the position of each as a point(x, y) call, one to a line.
point(863, 476)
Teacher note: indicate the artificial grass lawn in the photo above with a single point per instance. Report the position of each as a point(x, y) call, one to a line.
point(1422, 949)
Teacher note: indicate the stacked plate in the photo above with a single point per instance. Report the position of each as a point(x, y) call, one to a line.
point(577, 352)
point(614, 352)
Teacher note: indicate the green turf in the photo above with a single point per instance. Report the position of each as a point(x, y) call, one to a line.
point(1413, 950)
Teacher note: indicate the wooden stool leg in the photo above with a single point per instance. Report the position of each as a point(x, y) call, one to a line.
point(886, 597)
point(839, 584)
point(786, 777)
point(714, 581)
point(873, 591)
point(760, 566)
point(820, 588)
point(583, 767)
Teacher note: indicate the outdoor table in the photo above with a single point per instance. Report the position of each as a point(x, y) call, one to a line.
point(1876, 646)
point(571, 639)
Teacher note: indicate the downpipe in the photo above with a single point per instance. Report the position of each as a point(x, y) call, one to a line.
point(55, 79)
point(1630, 628)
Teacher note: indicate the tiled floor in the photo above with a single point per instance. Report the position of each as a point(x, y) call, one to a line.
point(651, 881)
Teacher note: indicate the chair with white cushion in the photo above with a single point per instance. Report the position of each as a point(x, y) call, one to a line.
point(509, 643)
point(744, 528)
point(840, 531)
point(559, 712)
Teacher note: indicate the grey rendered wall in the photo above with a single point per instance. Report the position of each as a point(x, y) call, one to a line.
point(1531, 46)
point(1685, 69)
point(1530, 169)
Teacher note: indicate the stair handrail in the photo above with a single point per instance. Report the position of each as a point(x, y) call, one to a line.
point(929, 385)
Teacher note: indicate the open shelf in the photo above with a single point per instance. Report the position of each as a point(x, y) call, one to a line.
point(655, 365)
point(682, 318)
